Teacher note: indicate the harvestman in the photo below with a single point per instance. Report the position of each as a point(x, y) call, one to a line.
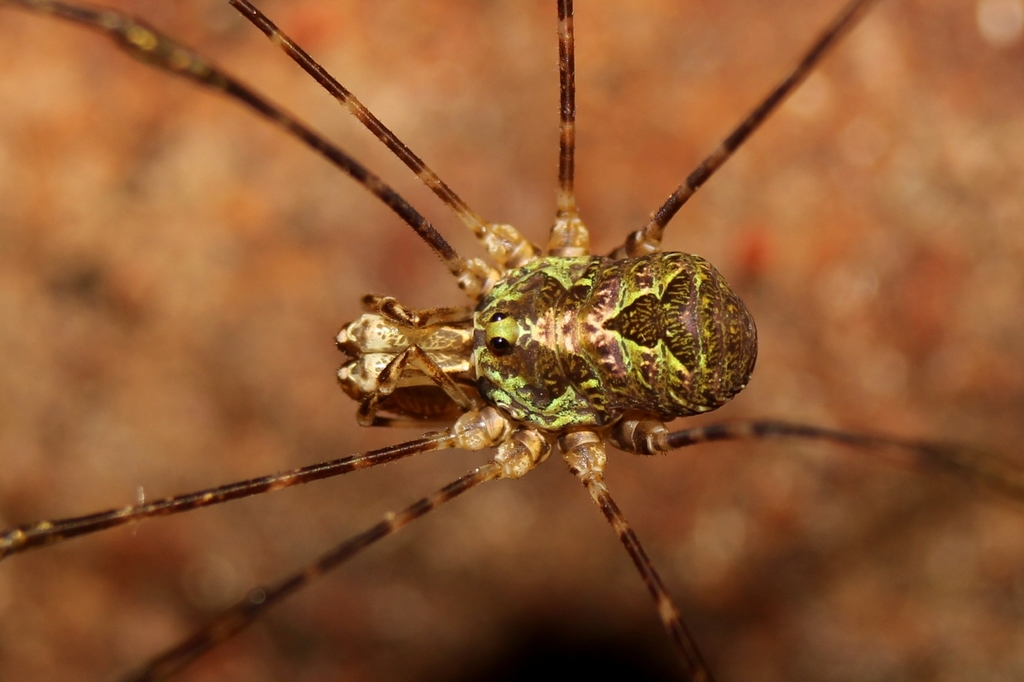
point(508, 249)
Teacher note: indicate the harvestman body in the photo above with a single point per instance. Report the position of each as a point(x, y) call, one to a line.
point(561, 350)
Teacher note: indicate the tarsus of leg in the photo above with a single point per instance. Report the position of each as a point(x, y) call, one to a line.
point(648, 239)
point(585, 454)
point(569, 236)
point(503, 242)
point(148, 45)
point(988, 471)
point(259, 599)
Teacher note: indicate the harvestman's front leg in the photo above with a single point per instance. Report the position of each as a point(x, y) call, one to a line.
point(585, 454)
point(162, 52)
point(503, 242)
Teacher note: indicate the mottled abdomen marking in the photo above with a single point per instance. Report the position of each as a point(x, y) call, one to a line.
point(669, 336)
point(579, 341)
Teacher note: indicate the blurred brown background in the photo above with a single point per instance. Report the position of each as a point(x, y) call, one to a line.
point(173, 270)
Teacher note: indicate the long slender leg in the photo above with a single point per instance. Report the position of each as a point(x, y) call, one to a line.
point(260, 599)
point(518, 453)
point(44, 533)
point(648, 239)
point(503, 242)
point(473, 431)
point(162, 52)
point(567, 111)
point(647, 437)
point(585, 454)
point(569, 237)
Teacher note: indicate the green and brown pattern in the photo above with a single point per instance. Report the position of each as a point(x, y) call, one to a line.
point(579, 341)
point(567, 347)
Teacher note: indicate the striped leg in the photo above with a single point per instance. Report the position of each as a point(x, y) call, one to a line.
point(569, 237)
point(584, 452)
point(473, 431)
point(44, 533)
point(648, 437)
point(503, 242)
point(517, 454)
point(648, 239)
point(163, 52)
point(260, 599)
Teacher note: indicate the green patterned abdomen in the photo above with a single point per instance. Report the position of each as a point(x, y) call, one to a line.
point(579, 341)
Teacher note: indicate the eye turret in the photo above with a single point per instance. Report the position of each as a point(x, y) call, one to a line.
point(501, 333)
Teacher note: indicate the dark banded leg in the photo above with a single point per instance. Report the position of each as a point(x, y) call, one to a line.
point(45, 533)
point(391, 377)
point(585, 453)
point(146, 44)
point(648, 437)
point(505, 238)
point(475, 430)
point(518, 453)
point(569, 237)
point(648, 239)
point(260, 599)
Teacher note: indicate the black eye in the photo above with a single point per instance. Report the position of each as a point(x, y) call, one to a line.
point(499, 345)
point(501, 333)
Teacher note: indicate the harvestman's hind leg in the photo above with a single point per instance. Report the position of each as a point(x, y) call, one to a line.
point(584, 452)
point(649, 437)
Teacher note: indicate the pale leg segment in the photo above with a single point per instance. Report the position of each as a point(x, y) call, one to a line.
point(391, 310)
point(390, 379)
